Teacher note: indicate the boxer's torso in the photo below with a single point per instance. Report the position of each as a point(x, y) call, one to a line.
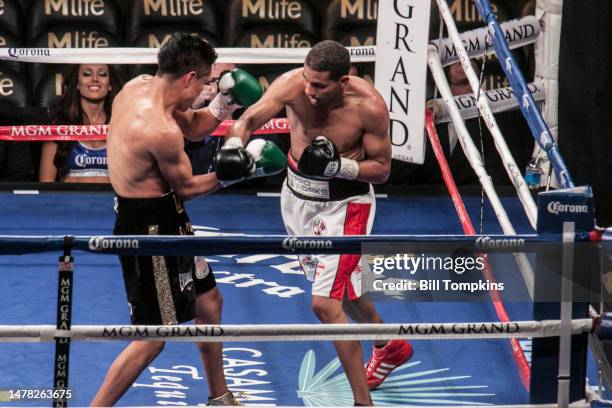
point(138, 119)
point(341, 123)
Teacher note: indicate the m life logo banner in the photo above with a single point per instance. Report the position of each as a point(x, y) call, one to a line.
point(401, 67)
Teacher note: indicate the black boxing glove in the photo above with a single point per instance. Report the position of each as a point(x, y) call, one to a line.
point(321, 160)
point(233, 163)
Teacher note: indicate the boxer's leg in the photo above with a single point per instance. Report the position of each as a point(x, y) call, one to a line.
point(125, 370)
point(349, 352)
point(208, 311)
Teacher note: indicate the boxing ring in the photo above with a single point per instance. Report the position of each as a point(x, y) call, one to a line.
point(442, 372)
point(261, 288)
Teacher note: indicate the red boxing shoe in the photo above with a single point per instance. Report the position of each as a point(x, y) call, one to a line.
point(386, 359)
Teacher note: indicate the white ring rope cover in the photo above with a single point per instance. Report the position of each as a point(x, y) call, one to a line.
point(296, 332)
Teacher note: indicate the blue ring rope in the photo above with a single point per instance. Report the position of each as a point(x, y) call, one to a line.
point(145, 245)
point(527, 104)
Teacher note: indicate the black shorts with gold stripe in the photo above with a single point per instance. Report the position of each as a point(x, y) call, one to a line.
point(160, 289)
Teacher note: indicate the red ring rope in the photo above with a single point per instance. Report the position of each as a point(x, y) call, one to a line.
point(40, 133)
point(468, 229)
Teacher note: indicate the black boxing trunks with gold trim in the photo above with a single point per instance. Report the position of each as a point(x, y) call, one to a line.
point(160, 289)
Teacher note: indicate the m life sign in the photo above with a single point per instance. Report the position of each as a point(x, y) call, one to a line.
point(401, 64)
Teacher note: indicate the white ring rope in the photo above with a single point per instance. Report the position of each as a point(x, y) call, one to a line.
point(296, 332)
point(514, 173)
point(519, 32)
point(131, 55)
point(475, 160)
point(500, 100)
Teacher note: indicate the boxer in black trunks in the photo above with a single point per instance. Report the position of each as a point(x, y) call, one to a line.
point(151, 175)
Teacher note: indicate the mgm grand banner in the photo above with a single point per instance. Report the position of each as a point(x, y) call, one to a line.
point(401, 68)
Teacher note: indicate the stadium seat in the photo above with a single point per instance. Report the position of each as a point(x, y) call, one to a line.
point(68, 36)
point(11, 18)
point(155, 37)
point(14, 88)
point(44, 15)
point(197, 15)
point(257, 24)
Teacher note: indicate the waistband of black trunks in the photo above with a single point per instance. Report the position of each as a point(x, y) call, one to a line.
point(167, 206)
point(314, 189)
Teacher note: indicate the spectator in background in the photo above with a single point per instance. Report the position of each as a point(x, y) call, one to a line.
point(15, 161)
point(88, 93)
point(202, 153)
point(459, 83)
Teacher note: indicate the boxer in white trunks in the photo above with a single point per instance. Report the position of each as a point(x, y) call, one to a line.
point(339, 145)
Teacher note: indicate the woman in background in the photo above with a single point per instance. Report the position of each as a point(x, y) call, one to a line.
point(88, 93)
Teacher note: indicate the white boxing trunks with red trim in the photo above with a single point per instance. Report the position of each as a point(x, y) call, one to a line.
point(332, 275)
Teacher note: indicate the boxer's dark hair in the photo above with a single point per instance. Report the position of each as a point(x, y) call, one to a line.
point(183, 53)
point(329, 56)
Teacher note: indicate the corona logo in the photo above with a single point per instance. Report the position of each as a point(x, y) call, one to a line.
point(82, 160)
point(556, 207)
point(499, 243)
point(293, 243)
point(28, 52)
point(99, 243)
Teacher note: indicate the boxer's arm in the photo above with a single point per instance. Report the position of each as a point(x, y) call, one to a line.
point(376, 144)
point(176, 169)
point(271, 103)
point(196, 124)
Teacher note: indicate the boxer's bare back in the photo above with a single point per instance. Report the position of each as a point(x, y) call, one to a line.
point(145, 141)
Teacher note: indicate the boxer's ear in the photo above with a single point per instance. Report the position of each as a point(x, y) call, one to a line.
point(190, 76)
point(343, 80)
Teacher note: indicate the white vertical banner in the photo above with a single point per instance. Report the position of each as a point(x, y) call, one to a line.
point(401, 71)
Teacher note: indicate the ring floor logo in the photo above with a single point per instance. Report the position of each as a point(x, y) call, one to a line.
point(405, 385)
point(228, 269)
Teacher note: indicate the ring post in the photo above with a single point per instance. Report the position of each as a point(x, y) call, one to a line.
point(565, 340)
point(64, 320)
point(554, 209)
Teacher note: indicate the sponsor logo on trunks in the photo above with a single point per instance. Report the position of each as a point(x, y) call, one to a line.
point(555, 207)
point(185, 280)
point(318, 226)
point(292, 243)
point(309, 188)
point(99, 243)
point(83, 160)
point(499, 243)
point(201, 268)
